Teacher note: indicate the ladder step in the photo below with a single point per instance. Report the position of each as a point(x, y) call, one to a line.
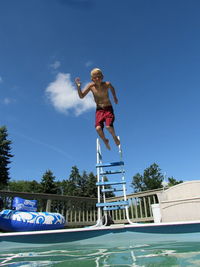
point(112, 172)
point(110, 183)
point(118, 163)
point(111, 190)
point(115, 203)
point(114, 208)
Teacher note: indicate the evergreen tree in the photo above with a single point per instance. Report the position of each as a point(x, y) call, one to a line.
point(69, 188)
point(48, 185)
point(75, 176)
point(172, 181)
point(59, 186)
point(5, 156)
point(79, 185)
point(83, 184)
point(91, 188)
point(74, 182)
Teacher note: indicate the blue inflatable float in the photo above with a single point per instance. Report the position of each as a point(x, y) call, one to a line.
point(24, 217)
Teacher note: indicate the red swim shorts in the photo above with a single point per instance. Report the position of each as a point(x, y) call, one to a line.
point(106, 115)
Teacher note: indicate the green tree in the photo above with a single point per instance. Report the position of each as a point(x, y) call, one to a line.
point(83, 184)
point(34, 187)
point(59, 186)
point(74, 182)
point(24, 186)
point(75, 176)
point(17, 186)
point(152, 178)
point(91, 188)
point(172, 181)
point(138, 182)
point(5, 156)
point(48, 184)
point(71, 186)
point(79, 185)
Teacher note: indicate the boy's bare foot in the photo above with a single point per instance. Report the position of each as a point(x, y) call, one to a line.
point(117, 142)
point(106, 141)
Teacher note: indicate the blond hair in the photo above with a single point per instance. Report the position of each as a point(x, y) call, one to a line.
point(96, 70)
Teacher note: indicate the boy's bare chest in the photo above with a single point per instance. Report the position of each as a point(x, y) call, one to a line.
point(100, 92)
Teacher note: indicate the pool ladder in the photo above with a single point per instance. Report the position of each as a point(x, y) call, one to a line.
point(104, 187)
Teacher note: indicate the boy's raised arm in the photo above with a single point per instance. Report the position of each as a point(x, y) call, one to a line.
point(85, 91)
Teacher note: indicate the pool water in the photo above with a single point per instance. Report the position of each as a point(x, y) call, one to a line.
point(151, 255)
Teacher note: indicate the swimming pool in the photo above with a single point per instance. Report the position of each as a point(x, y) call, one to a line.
point(161, 244)
point(160, 254)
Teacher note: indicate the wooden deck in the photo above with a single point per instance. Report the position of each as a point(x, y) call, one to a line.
point(81, 211)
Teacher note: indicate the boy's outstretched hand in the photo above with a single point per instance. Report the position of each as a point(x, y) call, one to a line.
point(78, 82)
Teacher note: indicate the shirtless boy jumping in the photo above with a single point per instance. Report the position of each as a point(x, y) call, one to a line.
point(104, 110)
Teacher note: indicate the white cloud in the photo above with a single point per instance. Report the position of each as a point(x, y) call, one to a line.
point(64, 97)
point(55, 65)
point(1, 80)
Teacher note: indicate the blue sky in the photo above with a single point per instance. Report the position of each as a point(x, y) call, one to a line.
point(148, 50)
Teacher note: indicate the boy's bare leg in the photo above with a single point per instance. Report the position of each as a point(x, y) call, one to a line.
point(101, 134)
point(112, 132)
